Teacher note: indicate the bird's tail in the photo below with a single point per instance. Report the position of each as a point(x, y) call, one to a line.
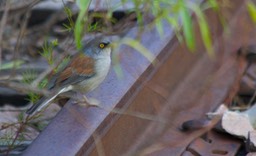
point(40, 104)
point(45, 101)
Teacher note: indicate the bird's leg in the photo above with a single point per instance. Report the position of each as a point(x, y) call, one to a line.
point(91, 101)
point(82, 100)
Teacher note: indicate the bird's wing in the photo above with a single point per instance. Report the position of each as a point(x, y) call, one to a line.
point(80, 67)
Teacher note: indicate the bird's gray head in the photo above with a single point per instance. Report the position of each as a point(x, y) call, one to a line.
point(97, 48)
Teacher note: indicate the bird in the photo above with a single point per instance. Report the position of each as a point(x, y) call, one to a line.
point(83, 73)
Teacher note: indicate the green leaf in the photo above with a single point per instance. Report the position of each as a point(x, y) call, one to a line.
point(187, 26)
point(174, 22)
point(29, 76)
point(47, 51)
point(20, 117)
point(204, 29)
point(213, 4)
point(83, 5)
point(139, 47)
point(54, 42)
point(115, 59)
point(156, 8)
point(43, 83)
point(33, 97)
point(138, 12)
point(117, 67)
point(159, 27)
point(252, 10)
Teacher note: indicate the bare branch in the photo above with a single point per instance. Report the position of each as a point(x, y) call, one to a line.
point(23, 88)
point(2, 25)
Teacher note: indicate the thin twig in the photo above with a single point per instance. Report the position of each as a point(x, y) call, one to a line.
point(9, 125)
point(19, 39)
point(16, 137)
point(252, 99)
point(98, 144)
point(43, 75)
point(2, 25)
point(134, 114)
point(13, 110)
point(119, 111)
point(23, 88)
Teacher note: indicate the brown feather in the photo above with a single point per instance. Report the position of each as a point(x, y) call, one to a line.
point(80, 65)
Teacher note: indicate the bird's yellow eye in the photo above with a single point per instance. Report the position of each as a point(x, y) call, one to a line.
point(102, 45)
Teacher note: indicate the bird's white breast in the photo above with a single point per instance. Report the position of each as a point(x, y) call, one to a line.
point(101, 68)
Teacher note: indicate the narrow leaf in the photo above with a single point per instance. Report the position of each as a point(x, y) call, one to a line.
point(139, 47)
point(83, 5)
point(187, 26)
point(174, 22)
point(252, 10)
point(204, 28)
point(159, 27)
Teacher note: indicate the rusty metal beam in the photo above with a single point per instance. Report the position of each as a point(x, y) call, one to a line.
point(206, 84)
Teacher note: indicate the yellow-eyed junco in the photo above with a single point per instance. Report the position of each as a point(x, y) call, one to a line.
point(83, 73)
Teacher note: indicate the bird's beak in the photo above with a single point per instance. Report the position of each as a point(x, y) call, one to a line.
point(107, 43)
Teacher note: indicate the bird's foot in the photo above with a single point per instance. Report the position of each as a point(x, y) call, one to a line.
point(88, 101)
point(91, 101)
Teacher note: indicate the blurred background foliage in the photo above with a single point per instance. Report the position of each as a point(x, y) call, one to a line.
point(176, 12)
